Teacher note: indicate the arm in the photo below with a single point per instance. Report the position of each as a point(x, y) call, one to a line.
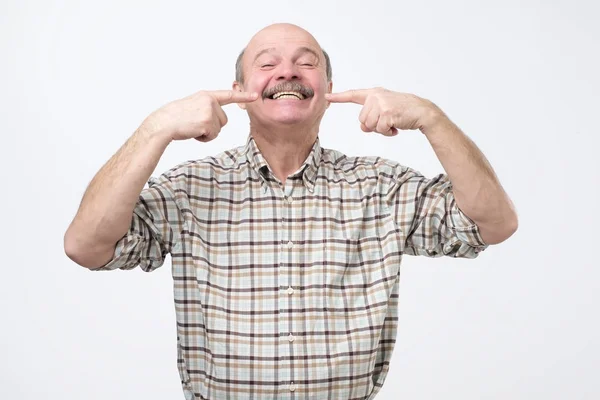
point(476, 188)
point(105, 212)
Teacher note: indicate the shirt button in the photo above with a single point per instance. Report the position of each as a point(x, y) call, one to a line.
point(290, 290)
point(290, 244)
point(290, 199)
point(291, 338)
point(292, 386)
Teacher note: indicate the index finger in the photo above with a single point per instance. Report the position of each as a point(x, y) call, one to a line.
point(357, 96)
point(231, 96)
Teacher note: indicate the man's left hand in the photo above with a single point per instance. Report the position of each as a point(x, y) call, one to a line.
point(385, 111)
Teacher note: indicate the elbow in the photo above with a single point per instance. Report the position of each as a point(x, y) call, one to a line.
point(70, 246)
point(74, 250)
point(510, 227)
point(514, 225)
point(511, 224)
point(82, 255)
point(499, 233)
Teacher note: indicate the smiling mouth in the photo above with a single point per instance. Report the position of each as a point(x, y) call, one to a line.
point(287, 95)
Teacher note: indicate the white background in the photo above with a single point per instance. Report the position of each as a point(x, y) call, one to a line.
point(520, 77)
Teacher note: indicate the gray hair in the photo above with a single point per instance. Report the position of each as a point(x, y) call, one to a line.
point(239, 70)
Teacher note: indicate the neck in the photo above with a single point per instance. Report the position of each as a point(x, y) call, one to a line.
point(285, 148)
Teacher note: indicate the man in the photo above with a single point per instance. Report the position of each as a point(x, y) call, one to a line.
point(286, 255)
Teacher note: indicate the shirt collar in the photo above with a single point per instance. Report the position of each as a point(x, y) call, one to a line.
point(308, 170)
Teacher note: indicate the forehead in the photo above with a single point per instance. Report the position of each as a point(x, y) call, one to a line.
point(282, 41)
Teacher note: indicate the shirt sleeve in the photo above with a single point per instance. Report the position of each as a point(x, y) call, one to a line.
point(426, 212)
point(153, 230)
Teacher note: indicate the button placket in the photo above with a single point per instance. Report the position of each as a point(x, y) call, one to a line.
point(285, 254)
point(290, 290)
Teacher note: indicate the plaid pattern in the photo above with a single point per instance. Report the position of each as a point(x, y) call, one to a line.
point(290, 292)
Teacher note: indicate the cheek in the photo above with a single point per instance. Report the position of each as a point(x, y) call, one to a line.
point(320, 89)
point(256, 84)
point(319, 86)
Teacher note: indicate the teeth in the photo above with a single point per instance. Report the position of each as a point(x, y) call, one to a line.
point(296, 95)
point(287, 96)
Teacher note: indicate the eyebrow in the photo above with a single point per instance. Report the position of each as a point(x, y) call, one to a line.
point(300, 50)
point(307, 50)
point(263, 51)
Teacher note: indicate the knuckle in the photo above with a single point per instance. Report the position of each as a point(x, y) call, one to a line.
point(204, 103)
point(204, 131)
point(387, 112)
point(205, 119)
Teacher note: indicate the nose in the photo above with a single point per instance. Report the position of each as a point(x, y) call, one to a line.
point(288, 71)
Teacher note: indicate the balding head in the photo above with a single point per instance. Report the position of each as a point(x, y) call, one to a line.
point(280, 30)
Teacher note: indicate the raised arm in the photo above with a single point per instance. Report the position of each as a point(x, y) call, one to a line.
point(475, 186)
point(106, 210)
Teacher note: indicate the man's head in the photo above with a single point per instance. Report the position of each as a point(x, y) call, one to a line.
point(287, 67)
point(239, 70)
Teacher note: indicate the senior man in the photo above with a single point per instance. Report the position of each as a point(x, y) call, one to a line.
point(285, 255)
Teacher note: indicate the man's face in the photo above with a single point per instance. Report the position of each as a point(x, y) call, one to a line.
point(286, 67)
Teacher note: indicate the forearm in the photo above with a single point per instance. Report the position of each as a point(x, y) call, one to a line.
point(106, 209)
point(476, 187)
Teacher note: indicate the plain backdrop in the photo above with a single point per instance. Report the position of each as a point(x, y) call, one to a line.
point(519, 77)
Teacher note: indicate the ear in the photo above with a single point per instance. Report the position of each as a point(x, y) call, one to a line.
point(238, 87)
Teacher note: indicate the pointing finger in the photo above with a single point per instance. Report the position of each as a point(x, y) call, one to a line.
point(229, 96)
point(357, 96)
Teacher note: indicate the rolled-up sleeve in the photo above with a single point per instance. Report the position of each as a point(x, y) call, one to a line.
point(153, 230)
point(427, 213)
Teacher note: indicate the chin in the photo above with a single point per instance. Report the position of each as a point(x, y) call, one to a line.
point(288, 119)
point(285, 117)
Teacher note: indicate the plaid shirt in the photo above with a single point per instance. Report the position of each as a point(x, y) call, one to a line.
point(290, 292)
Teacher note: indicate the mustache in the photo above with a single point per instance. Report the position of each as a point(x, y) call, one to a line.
point(288, 87)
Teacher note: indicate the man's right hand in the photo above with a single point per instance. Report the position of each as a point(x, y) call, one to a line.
point(197, 116)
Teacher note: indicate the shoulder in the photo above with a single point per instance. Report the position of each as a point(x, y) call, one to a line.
point(204, 169)
point(223, 162)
